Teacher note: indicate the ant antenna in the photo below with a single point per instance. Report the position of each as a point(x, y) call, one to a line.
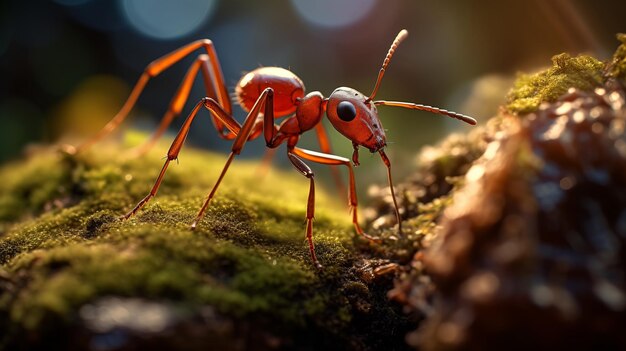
point(399, 38)
point(437, 110)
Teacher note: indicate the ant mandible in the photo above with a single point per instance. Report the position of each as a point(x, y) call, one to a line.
point(267, 93)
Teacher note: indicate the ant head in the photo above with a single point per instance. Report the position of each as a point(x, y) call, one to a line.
point(355, 116)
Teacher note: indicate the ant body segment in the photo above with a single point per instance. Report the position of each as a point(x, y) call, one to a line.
point(265, 94)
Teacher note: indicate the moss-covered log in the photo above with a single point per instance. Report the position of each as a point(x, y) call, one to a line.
point(73, 272)
point(531, 251)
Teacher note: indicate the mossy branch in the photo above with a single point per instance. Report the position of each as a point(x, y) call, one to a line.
point(581, 72)
point(530, 90)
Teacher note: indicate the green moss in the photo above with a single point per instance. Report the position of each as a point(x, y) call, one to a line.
point(28, 189)
point(581, 72)
point(617, 66)
point(529, 91)
point(66, 246)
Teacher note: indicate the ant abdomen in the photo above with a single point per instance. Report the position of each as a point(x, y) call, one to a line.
point(288, 89)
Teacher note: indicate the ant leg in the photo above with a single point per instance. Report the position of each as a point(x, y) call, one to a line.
point(328, 159)
point(324, 141)
point(310, 206)
point(153, 70)
point(178, 102)
point(250, 125)
point(179, 140)
point(115, 121)
point(387, 163)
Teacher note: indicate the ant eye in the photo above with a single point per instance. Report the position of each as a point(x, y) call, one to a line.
point(346, 111)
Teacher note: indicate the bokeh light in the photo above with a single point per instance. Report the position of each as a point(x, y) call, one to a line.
point(164, 19)
point(458, 56)
point(331, 13)
point(89, 106)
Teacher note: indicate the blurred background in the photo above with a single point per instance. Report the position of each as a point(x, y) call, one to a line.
point(67, 66)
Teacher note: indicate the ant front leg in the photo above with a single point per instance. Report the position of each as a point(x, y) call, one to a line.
point(310, 207)
point(334, 160)
point(324, 141)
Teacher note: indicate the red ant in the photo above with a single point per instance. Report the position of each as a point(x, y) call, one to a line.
point(268, 93)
